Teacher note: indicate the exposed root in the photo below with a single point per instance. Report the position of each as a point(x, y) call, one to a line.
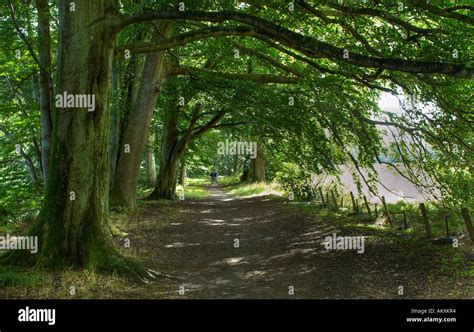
point(113, 262)
point(162, 275)
point(100, 255)
point(17, 258)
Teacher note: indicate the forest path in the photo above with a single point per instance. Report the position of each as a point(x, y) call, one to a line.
point(279, 249)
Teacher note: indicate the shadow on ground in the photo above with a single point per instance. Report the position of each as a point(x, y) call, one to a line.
point(257, 247)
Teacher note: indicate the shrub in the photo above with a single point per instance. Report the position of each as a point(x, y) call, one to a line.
point(296, 180)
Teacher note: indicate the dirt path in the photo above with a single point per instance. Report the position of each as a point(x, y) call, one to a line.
point(279, 249)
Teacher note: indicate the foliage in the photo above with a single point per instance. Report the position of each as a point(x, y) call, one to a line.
point(297, 182)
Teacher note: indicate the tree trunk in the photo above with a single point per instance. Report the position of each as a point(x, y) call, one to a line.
point(73, 222)
point(75, 210)
point(235, 165)
point(150, 163)
point(246, 172)
point(166, 185)
point(46, 85)
point(30, 166)
point(135, 133)
point(182, 171)
point(259, 166)
point(173, 148)
point(124, 96)
point(114, 125)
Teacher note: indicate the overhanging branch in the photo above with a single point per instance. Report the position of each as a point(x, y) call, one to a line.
point(309, 46)
point(257, 78)
point(183, 39)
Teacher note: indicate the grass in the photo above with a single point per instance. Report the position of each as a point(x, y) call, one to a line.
point(194, 188)
point(436, 215)
point(453, 262)
point(224, 181)
point(71, 284)
point(193, 191)
point(229, 181)
point(250, 189)
point(12, 276)
point(197, 181)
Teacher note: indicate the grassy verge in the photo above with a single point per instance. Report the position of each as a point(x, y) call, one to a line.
point(71, 284)
point(444, 222)
point(197, 181)
point(193, 191)
point(454, 261)
point(251, 189)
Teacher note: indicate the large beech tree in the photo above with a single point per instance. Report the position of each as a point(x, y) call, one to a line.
point(73, 222)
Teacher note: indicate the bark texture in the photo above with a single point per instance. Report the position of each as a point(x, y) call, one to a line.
point(135, 132)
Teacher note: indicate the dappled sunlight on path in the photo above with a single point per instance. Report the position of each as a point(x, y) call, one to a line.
point(258, 247)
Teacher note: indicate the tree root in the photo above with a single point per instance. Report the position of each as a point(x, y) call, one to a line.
point(100, 255)
point(17, 258)
point(125, 267)
point(163, 275)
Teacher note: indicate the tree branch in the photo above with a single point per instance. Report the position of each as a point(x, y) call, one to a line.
point(24, 37)
point(266, 58)
point(441, 12)
point(351, 11)
point(230, 124)
point(183, 39)
point(257, 78)
point(213, 122)
point(307, 45)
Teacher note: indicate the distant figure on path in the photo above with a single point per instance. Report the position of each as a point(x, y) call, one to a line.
point(213, 177)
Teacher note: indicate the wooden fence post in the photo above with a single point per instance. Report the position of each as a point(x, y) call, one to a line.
point(447, 225)
point(366, 204)
point(426, 222)
point(353, 202)
point(387, 213)
point(322, 195)
point(467, 219)
point(334, 198)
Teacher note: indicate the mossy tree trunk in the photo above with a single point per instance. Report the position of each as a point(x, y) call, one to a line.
point(171, 151)
point(75, 211)
point(73, 222)
point(173, 147)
